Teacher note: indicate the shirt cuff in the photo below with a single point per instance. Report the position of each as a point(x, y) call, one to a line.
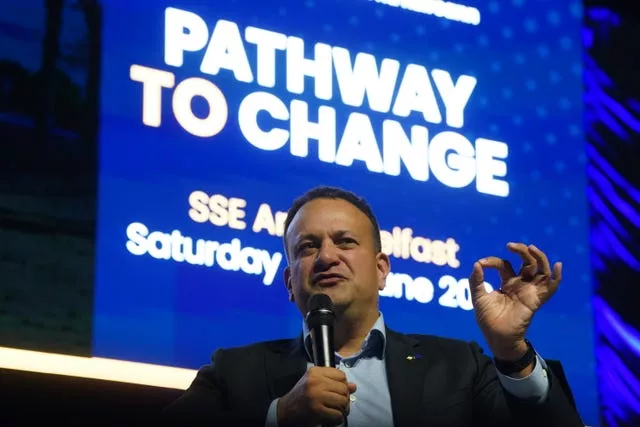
point(534, 386)
point(272, 414)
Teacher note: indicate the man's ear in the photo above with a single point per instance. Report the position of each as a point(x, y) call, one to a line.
point(383, 265)
point(287, 283)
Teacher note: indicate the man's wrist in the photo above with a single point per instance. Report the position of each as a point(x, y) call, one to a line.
point(517, 363)
point(281, 412)
point(510, 352)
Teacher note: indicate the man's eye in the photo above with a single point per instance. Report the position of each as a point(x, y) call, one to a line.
point(305, 246)
point(347, 241)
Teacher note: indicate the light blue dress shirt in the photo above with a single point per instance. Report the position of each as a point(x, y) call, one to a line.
point(371, 403)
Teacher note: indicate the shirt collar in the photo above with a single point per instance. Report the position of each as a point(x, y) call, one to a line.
point(374, 343)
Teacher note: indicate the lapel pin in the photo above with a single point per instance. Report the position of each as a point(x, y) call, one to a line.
point(414, 357)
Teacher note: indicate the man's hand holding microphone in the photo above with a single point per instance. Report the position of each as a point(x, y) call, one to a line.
point(321, 396)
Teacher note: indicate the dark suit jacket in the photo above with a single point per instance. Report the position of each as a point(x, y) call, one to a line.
point(452, 384)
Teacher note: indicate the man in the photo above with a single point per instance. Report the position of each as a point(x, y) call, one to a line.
point(383, 378)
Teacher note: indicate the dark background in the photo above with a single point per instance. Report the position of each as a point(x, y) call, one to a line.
point(48, 182)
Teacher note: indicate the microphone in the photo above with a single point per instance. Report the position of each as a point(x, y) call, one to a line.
point(320, 318)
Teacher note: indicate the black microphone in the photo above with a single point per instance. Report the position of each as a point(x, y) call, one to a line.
point(320, 319)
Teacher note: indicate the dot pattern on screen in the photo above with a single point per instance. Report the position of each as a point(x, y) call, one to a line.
point(526, 105)
point(541, 113)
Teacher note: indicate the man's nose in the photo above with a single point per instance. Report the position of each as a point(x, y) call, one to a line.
point(327, 255)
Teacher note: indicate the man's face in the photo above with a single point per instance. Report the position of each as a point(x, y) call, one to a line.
point(332, 251)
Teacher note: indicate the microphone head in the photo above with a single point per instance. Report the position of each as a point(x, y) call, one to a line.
point(320, 311)
point(318, 302)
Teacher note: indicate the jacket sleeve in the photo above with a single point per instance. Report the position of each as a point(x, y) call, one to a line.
point(495, 406)
point(227, 392)
point(205, 402)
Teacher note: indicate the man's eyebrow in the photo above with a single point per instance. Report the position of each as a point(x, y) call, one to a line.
point(310, 236)
point(307, 236)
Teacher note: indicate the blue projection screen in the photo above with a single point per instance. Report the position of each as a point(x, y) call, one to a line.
point(462, 126)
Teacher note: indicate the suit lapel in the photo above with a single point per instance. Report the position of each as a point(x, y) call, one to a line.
point(286, 363)
point(406, 365)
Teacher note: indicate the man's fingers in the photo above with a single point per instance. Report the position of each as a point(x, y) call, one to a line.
point(338, 387)
point(477, 275)
point(336, 401)
point(332, 416)
point(337, 396)
point(352, 389)
point(332, 373)
point(334, 380)
point(529, 264)
point(556, 278)
point(542, 261)
point(476, 282)
point(504, 267)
